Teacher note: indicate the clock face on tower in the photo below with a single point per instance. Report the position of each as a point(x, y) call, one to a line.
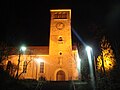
point(60, 25)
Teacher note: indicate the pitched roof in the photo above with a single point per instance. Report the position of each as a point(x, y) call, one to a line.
point(32, 50)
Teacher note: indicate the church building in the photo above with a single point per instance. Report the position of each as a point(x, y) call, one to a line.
point(57, 62)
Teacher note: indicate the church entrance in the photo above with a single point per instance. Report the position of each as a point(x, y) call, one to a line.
point(60, 76)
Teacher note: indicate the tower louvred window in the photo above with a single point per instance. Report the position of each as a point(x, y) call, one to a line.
point(60, 39)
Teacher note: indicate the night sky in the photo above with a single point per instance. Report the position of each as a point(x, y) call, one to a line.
point(29, 21)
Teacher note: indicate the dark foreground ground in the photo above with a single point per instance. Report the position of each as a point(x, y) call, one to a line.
point(8, 83)
point(52, 85)
point(44, 85)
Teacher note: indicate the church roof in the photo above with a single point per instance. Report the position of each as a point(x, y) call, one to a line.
point(36, 50)
point(33, 50)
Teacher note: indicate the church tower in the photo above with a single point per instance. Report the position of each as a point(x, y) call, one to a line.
point(60, 44)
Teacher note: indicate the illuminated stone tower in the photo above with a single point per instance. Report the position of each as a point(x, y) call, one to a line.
point(60, 44)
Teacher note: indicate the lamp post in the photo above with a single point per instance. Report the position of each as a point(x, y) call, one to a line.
point(91, 65)
point(22, 49)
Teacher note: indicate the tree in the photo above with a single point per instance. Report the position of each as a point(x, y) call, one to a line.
point(4, 53)
point(29, 53)
point(106, 60)
point(106, 63)
point(24, 67)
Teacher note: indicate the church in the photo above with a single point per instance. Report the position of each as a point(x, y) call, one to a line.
point(57, 62)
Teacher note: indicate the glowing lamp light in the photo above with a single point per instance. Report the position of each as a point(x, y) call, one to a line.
point(23, 48)
point(39, 60)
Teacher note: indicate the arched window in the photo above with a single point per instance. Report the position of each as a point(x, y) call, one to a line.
point(60, 39)
point(41, 67)
point(25, 67)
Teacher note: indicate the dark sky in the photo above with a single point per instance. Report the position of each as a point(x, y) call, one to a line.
point(29, 21)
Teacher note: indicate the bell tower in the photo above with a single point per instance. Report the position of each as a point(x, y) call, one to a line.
point(60, 32)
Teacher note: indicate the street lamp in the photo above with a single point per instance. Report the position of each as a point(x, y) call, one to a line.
point(91, 65)
point(22, 49)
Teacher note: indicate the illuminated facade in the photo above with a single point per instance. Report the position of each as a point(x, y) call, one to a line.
point(56, 62)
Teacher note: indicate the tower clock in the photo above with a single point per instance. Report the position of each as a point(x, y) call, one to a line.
point(60, 25)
